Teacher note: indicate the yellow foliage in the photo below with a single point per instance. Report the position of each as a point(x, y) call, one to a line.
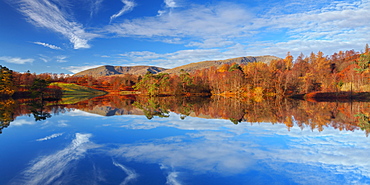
point(258, 91)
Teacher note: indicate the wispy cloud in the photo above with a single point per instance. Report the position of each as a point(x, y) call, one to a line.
point(198, 22)
point(46, 14)
point(50, 137)
point(129, 5)
point(48, 45)
point(61, 58)
point(56, 163)
point(131, 174)
point(235, 150)
point(95, 6)
point(171, 3)
point(76, 69)
point(327, 26)
point(16, 60)
point(172, 178)
point(182, 57)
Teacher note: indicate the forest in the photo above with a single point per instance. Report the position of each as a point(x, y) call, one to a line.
point(341, 74)
point(315, 116)
point(255, 92)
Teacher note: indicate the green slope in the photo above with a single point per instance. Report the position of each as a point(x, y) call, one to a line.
point(74, 89)
point(73, 93)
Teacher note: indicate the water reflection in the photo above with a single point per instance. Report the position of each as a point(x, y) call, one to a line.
point(143, 147)
point(53, 168)
point(313, 115)
point(312, 159)
point(131, 174)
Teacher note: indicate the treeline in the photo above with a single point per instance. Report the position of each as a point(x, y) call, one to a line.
point(341, 72)
point(27, 85)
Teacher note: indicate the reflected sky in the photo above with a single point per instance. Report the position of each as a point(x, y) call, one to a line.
point(78, 148)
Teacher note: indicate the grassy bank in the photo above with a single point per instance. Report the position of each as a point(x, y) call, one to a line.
point(74, 89)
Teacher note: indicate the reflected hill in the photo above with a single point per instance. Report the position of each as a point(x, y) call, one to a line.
point(304, 114)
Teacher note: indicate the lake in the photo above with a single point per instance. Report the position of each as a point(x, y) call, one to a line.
point(184, 140)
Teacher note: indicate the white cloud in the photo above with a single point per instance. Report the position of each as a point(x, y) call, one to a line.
point(46, 14)
point(63, 123)
point(76, 69)
point(44, 58)
point(131, 174)
point(95, 6)
point(224, 20)
point(50, 137)
point(129, 6)
point(61, 58)
point(170, 3)
point(182, 57)
point(172, 178)
point(48, 45)
point(327, 26)
point(229, 149)
point(16, 60)
point(57, 163)
point(21, 122)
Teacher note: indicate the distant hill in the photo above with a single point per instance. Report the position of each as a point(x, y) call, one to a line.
point(207, 64)
point(108, 70)
point(110, 111)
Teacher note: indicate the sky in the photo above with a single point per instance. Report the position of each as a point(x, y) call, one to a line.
point(68, 36)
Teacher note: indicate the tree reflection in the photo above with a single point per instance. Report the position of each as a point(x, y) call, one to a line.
point(7, 107)
point(38, 110)
point(302, 114)
point(152, 108)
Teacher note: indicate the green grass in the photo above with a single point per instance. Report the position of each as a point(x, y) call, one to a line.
point(72, 99)
point(73, 93)
point(74, 89)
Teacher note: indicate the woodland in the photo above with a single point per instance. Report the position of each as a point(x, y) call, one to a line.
point(336, 88)
point(341, 75)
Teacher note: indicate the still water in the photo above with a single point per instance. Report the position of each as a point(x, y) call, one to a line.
point(124, 142)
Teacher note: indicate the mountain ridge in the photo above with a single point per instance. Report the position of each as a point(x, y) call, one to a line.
point(207, 64)
point(109, 70)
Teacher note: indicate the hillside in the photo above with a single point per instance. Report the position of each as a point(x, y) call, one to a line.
point(206, 64)
point(108, 70)
point(74, 89)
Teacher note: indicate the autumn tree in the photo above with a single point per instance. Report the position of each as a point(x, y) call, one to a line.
point(153, 85)
point(6, 81)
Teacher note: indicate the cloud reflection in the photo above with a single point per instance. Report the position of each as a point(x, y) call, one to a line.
point(172, 178)
point(50, 137)
point(131, 174)
point(226, 149)
point(50, 168)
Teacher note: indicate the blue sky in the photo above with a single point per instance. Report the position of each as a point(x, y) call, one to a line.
point(67, 36)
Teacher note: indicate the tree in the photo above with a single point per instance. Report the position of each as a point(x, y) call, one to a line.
point(153, 85)
point(6, 81)
point(186, 80)
point(39, 88)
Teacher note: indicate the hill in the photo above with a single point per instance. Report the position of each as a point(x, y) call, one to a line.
point(207, 64)
point(108, 70)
